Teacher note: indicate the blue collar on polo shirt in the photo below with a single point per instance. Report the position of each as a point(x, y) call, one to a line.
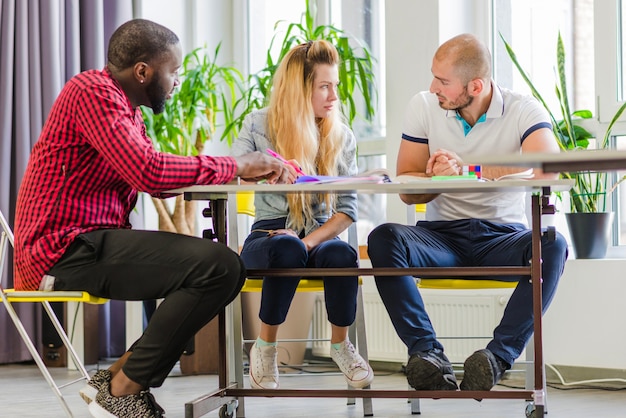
point(466, 126)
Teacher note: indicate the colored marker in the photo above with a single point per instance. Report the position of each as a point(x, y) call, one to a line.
point(281, 158)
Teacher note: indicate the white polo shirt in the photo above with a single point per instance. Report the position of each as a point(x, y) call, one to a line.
point(511, 117)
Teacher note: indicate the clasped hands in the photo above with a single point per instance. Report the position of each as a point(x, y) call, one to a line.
point(444, 163)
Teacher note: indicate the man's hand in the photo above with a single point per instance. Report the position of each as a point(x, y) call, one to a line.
point(444, 163)
point(257, 166)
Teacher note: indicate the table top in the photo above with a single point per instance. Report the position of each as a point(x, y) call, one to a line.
point(426, 186)
point(600, 160)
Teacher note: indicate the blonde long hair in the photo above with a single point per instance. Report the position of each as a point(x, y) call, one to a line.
point(294, 130)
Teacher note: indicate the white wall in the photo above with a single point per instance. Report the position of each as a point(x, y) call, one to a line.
point(585, 325)
point(412, 36)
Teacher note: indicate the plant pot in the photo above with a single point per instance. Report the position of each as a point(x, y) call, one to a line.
point(590, 233)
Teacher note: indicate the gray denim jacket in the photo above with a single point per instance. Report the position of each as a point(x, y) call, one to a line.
point(253, 137)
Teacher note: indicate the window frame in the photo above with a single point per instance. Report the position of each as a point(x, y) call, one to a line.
point(607, 60)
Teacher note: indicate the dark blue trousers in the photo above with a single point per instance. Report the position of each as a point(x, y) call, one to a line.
point(284, 251)
point(467, 242)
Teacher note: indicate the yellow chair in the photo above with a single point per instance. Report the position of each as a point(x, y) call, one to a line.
point(245, 206)
point(10, 296)
point(466, 284)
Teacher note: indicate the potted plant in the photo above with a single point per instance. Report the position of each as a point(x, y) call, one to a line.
point(588, 197)
point(189, 120)
point(355, 70)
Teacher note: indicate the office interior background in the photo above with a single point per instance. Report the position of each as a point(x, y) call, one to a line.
point(584, 328)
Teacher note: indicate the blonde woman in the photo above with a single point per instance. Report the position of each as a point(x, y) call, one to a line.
point(303, 124)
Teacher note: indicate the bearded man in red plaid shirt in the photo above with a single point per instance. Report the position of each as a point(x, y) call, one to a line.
point(72, 229)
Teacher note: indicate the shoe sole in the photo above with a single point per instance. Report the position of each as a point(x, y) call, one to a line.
point(424, 375)
point(97, 411)
point(478, 372)
point(88, 393)
point(255, 385)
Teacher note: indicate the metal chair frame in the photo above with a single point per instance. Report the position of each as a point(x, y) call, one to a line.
point(10, 296)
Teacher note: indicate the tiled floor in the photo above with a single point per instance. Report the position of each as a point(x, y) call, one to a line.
point(24, 393)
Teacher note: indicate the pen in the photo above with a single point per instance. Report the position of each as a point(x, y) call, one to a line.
point(281, 158)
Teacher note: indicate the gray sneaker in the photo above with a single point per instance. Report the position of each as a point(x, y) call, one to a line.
point(482, 371)
point(142, 405)
point(90, 390)
point(430, 370)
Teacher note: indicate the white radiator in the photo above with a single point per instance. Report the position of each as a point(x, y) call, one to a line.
point(454, 313)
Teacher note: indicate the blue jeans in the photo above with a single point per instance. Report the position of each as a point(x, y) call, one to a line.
point(466, 242)
point(284, 251)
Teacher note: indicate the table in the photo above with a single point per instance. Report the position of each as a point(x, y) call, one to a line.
point(221, 209)
point(602, 160)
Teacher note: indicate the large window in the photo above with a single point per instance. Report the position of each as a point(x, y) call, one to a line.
point(610, 56)
point(362, 19)
point(532, 28)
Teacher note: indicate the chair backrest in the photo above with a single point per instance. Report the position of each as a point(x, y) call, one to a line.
point(245, 203)
point(413, 210)
point(6, 236)
point(6, 229)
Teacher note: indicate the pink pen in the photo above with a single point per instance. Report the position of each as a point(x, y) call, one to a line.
point(281, 158)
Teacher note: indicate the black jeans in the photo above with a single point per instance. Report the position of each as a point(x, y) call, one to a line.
point(196, 277)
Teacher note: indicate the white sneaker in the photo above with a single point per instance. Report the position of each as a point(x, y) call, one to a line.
point(358, 373)
point(264, 367)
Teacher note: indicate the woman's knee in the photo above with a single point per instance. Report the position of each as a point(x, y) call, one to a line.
point(336, 253)
point(287, 252)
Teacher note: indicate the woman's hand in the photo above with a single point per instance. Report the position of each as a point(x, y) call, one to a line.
point(291, 232)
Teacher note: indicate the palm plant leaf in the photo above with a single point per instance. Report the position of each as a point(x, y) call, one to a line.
point(589, 193)
point(355, 71)
point(207, 90)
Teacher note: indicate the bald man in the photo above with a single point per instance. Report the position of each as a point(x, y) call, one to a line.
point(72, 229)
point(465, 113)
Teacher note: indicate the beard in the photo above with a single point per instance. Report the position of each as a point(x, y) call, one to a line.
point(461, 102)
point(156, 95)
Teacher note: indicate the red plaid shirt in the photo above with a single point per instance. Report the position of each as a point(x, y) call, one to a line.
point(84, 173)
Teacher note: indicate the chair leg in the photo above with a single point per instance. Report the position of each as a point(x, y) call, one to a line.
point(235, 362)
point(361, 339)
point(414, 402)
point(35, 354)
point(415, 406)
point(66, 341)
point(352, 336)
